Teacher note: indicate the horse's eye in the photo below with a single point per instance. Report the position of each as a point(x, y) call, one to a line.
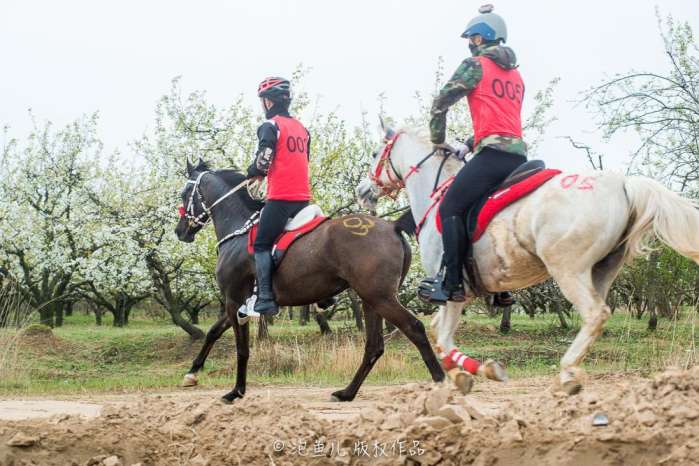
point(374, 154)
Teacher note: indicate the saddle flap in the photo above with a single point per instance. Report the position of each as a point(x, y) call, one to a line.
point(306, 214)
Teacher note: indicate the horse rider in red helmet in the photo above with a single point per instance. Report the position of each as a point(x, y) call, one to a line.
point(282, 156)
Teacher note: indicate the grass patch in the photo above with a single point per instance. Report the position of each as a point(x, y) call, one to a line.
point(149, 354)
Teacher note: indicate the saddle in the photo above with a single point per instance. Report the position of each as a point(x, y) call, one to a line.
point(524, 180)
point(300, 225)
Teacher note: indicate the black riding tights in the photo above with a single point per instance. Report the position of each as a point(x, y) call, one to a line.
point(273, 220)
point(484, 172)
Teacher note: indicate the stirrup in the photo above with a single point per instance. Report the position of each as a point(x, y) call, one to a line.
point(430, 290)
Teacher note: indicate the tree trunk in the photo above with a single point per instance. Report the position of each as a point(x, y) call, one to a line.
point(304, 315)
point(291, 312)
point(119, 316)
point(356, 305)
point(561, 315)
point(59, 314)
point(262, 328)
point(505, 320)
point(98, 316)
point(195, 333)
point(46, 315)
point(653, 320)
point(323, 323)
point(69, 309)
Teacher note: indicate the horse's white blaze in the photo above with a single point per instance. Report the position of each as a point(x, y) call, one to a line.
point(564, 229)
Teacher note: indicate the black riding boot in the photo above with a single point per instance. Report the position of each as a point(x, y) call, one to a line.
point(454, 240)
point(265, 304)
point(448, 285)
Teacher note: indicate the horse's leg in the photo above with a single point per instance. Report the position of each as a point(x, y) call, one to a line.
point(605, 271)
point(391, 310)
point(579, 290)
point(242, 348)
point(214, 333)
point(447, 321)
point(373, 349)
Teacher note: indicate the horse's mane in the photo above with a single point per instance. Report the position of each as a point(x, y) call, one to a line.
point(420, 133)
point(233, 177)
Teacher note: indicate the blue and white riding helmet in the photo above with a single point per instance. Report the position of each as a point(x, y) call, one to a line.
point(489, 25)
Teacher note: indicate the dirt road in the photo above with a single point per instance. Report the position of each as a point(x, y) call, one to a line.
point(650, 421)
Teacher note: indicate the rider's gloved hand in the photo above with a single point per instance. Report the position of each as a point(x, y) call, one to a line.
point(469, 143)
point(462, 151)
point(254, 172)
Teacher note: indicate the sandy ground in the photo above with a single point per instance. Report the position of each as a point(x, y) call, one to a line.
point(649, 421)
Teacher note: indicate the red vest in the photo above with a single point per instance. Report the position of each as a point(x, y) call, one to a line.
point(496, 102)
point(287, 179)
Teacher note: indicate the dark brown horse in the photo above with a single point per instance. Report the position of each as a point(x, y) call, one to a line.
point(361, 252)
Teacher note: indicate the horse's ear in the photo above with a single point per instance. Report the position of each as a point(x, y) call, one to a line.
point(190, 167)
point(201, 162)
point(386, 131)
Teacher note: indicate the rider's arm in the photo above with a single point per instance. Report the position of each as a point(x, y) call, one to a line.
point(267, 142)
point(465, 79)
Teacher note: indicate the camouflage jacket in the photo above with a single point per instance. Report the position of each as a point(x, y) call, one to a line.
point(465, 79)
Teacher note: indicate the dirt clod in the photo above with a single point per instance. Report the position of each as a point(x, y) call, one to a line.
point(20, 439)
point(112, 461)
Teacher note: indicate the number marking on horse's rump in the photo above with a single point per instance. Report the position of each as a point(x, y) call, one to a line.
point(358, 226)
point(586, 184)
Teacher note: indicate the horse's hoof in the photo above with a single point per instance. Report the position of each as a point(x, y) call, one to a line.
point(230, 397)
point(462, 379)
point(571, 380)
point(493, 370)
point(340, 397)
point(571, 387)
point(190, 380)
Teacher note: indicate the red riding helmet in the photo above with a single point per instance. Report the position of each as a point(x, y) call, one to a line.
point(275, 88)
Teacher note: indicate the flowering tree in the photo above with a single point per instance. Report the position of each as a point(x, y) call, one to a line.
point(45, 226)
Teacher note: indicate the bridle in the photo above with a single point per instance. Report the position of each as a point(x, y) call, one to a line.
point(396, 182)
point(205, 217)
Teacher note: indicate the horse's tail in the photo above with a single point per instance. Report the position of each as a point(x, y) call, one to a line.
point(671, 217)
point(405, 224)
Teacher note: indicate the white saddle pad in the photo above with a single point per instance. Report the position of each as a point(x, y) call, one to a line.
point(306, 215)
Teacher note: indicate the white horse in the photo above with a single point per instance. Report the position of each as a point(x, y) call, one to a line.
point(579, 230)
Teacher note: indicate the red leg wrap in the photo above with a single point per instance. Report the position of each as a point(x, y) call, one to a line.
point(456, 358)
